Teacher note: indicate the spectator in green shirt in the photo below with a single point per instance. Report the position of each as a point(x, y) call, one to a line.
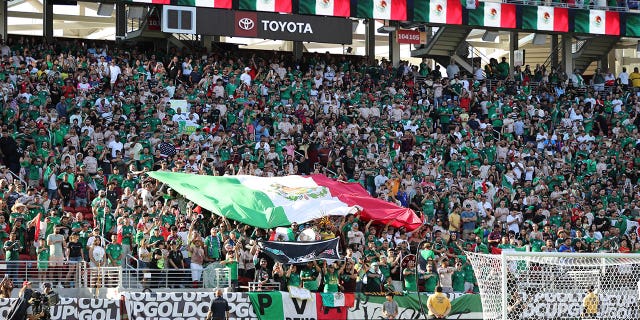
point(332, 277)
point(12, 249)
point(293, 276)
point(309, 276)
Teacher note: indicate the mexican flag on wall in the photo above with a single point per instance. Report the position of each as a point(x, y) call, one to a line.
point(633, 25)
point(438, 11)
point(493, 14)
point(383, 9)
point(545, 18)
point(336, 8)
point(597, 22)
point(266, 5)
point(280, 305)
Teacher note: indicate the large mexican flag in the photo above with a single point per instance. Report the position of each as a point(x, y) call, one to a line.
point(266, 5)
point(383, 9)
point(597, 22)
point(545, 18)
point(438, 11)
point(273, 202)
point(337, 8)
point(493, 14)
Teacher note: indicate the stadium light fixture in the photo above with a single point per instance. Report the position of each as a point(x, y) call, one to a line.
point(386, 29)
point(355, 25)
point(105, 10)
point(490, 36)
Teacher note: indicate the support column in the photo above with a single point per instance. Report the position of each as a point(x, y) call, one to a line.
point(370, 40)
point(121, 21)
point(567, 56)
point(207, 42)
point(603, 64)
point(394, 48)
point(298, 48)
point(513, 46)
point(47, 20)
point(554, 50)
point(616, 56)
point(4, 16)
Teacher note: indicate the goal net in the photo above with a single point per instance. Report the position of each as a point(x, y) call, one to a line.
point(540, 285)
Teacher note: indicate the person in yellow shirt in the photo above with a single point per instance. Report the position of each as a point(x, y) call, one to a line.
point(590, 304)
point(455, 221)
point(438, 304)
point(634, 77)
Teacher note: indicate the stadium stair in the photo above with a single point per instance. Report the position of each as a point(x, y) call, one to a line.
point(592, 49)
point(446, 43)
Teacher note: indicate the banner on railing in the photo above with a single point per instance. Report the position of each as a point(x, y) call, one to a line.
point(184, 305)
point(274, 305)
point(301, 252)
point(75, 308)
point(278, 305)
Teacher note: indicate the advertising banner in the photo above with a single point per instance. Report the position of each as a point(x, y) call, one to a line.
point(75, 308)
point(280, 305)
point(184, 305)
point(270, 25)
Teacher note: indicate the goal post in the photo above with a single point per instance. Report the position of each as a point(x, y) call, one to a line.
point(553, 285)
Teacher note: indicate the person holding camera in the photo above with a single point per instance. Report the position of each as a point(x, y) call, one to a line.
point(32, 304)
point(41, 303)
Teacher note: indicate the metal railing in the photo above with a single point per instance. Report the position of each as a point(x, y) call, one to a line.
point(135, 277)
point(475, 53)
point(65, 274)
point(15, 176)
point(547, 62)
point(191, 41)
point(578, 45)
point(101, 277)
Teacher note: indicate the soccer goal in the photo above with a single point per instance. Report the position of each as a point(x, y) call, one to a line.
point(540, 285)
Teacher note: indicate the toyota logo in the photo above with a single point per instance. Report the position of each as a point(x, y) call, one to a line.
point(246, 24)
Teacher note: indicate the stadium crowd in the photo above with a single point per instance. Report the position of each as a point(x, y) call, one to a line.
point(505, 159)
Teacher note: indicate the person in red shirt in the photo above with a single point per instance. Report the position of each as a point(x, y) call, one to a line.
point(68, 90)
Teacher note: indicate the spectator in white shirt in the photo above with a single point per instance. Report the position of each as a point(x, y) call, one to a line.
point(246, 77)
point(624, 77)
point(355, 235)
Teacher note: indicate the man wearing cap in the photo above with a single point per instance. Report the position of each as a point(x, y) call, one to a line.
point(355, 236)
point(245, 77)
